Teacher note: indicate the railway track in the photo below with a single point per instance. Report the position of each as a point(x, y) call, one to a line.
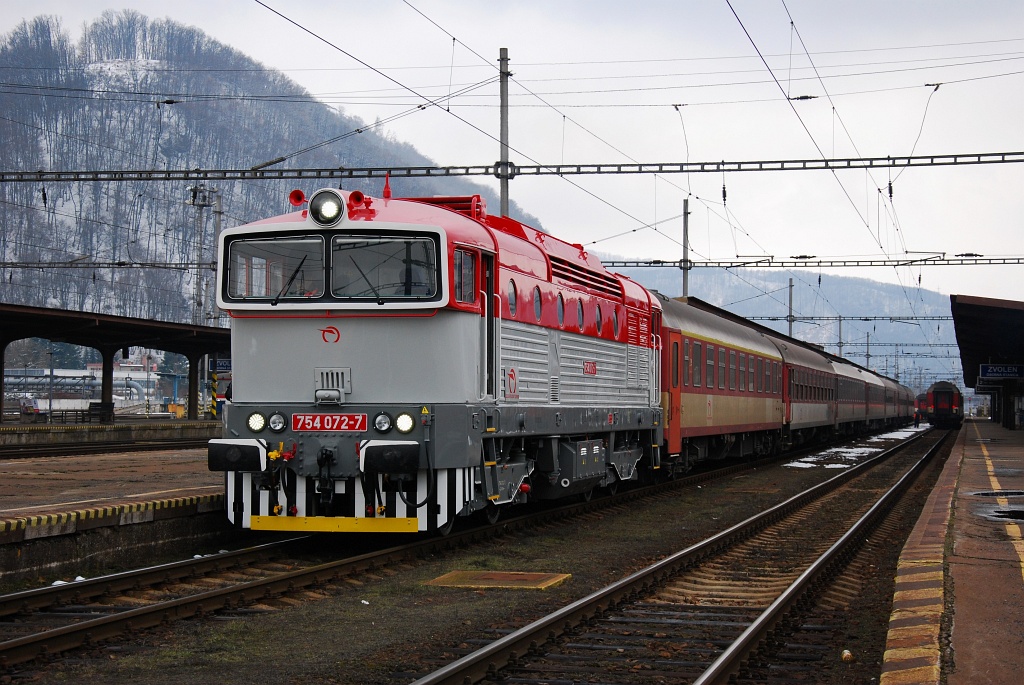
point(728, 606)
point(42, 623)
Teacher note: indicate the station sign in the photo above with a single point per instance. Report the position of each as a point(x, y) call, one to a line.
point(997, 371)
point(220, 366)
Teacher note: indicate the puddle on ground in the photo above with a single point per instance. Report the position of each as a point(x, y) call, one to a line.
point(1014, 514)
point(999, 493)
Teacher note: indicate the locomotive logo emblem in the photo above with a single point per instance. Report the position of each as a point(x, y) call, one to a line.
point(511, 385)
point(590, 368)
point(331, 334)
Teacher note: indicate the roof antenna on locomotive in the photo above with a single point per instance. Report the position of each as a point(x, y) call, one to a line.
point(296, 197)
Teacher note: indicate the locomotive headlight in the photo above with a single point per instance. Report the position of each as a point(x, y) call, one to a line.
point(404, 423)
point(382, 423)
point(277, 422)
point(256, 422)
point(325, 207)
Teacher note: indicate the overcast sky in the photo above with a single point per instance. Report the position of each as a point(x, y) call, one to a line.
point(672, 81)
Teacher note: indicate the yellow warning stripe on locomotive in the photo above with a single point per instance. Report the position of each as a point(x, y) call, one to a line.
point(335, 524)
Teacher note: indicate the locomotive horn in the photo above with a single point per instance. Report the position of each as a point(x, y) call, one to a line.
point(296, 197)
point(355, 198)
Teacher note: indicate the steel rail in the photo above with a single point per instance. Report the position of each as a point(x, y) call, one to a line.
point(733, 658)
point(82, 590)
point(54, 641)
point(486, 661)
point(57, 640)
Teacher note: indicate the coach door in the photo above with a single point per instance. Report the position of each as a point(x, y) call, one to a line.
point(672, 378)
point(492, 316)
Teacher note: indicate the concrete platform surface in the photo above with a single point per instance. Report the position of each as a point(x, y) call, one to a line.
point(957, 609)
point(41, 486)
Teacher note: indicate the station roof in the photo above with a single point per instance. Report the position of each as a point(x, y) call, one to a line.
point(105, 331)
point(988, 331)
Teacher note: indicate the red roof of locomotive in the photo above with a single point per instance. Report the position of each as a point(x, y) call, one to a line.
point(519, 247)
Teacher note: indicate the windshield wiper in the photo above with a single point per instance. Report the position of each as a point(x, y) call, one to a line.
point(273, 302)
point(361, 273)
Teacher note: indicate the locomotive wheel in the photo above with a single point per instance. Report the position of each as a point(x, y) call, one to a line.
point(446, 528)
point(492, 512)
point(588, 495)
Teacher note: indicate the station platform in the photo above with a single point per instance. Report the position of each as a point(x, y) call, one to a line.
point(957, 608)
point(65, 516)
point(124, 429)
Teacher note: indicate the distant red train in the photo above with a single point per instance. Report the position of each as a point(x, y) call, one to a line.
point(400, 363)
point(944, 406)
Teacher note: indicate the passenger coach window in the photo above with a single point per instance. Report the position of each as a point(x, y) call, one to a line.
point(272, 269)
point(383, 267)
point(709, 377)
point(686, 362)
point(743, 372)
point(465, 276)
point(698, 364)
point(675, 365)
point(732, 369)
point(721, 368)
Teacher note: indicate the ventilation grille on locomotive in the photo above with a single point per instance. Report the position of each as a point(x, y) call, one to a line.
point(583, 277)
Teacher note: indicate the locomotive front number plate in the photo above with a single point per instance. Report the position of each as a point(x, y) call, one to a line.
point(329, 422)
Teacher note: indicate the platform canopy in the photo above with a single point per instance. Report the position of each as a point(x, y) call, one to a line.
point(989, 332)
point(102, 331)
point(108, 334)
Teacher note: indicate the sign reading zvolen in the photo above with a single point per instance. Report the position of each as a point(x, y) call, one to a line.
point(993, 371)
point(220, 365)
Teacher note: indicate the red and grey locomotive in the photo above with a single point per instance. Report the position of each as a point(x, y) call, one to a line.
point(399, 362)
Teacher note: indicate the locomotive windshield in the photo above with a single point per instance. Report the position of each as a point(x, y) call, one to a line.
point(275, 269)
point(383, 267)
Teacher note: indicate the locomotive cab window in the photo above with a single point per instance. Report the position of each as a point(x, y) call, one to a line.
point(464, 267)
point(384, 267)
point(273, 269)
